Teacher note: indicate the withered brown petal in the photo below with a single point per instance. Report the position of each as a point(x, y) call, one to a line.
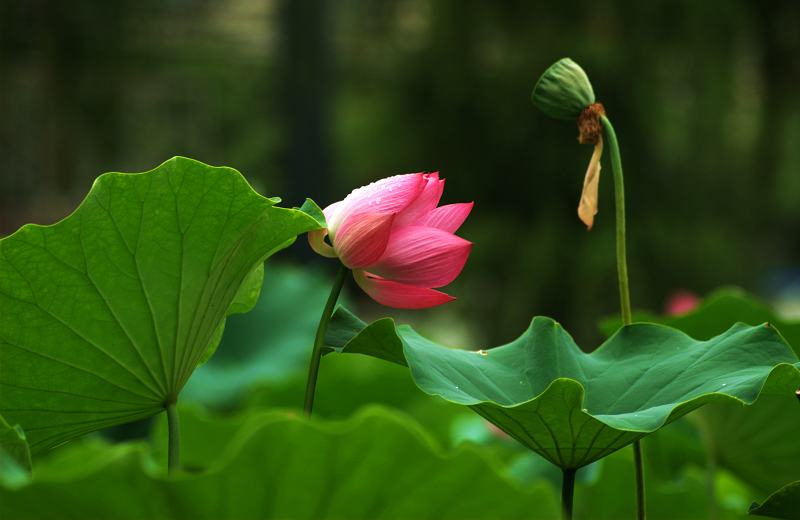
point(587, 207)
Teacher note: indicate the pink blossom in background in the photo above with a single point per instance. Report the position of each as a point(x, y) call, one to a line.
point(399, 244)
point(496, 432)
point(681, 302)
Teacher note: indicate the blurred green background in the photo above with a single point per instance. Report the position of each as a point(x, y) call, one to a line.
point(312, 98)
point(316, 97)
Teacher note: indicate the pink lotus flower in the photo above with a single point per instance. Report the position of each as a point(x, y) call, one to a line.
point(680, 303)
point(398, 243)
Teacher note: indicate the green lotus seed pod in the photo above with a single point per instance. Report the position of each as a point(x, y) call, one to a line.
point(563, 91)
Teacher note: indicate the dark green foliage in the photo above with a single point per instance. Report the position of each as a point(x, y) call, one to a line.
point(376, 465)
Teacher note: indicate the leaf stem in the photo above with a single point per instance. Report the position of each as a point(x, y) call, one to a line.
point(639, 470)
point(624, 289)
point(567, 492)
point(319, 340)
point(174, 443)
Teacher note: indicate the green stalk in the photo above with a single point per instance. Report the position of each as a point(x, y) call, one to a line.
point(619, 197)
point(624, 290)
point(567, 492)
point(639, 467)
point(174, 443)
point(319, 340)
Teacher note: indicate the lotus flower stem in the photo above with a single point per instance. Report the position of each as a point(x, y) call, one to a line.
point(174, 442)
point(567, 492)
point(619, 196)
point(624, 290)
point(319, 339)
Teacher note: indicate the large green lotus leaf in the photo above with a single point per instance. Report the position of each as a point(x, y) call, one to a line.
point(104, 315)
point(765, 457)
point(574, 408)
point(784, 503)
point(377, 465)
